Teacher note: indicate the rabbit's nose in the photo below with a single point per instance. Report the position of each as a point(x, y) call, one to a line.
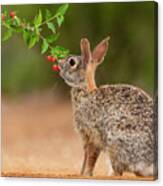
point(62, 60)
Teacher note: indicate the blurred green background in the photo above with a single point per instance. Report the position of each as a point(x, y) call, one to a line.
point(130, 58)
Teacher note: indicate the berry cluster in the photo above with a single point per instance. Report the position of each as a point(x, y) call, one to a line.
point(12, 15)
point(53, 59)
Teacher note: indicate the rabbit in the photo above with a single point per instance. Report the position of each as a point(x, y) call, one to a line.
point(114, 119)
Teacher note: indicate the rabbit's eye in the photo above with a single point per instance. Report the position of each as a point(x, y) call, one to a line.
point(72, 62)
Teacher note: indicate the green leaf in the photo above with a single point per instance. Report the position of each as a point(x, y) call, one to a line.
point(26, 36)
point(62, 9)
point(44, 46)
point(60, 20)
point(17, 21)
point(51, 27)
point(38, 19)
point(32, 41)
point(7, 35)
point(8, 23)
point(52, 38)
point(59, 52)
point(37, 31)
point(48, 15)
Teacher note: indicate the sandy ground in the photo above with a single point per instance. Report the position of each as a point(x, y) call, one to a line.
point(38, 140)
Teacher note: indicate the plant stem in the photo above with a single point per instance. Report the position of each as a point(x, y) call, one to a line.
point(46, 21)
point(42, 37)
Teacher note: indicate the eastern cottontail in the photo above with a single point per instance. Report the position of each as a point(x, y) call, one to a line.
point(116, 119)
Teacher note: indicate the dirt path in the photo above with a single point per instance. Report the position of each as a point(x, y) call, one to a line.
point(39, 140)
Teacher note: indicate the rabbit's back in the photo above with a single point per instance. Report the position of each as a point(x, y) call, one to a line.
point(111, 104)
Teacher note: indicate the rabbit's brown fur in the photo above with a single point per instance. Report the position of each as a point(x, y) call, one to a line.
point(119, 120)
point(115, 119)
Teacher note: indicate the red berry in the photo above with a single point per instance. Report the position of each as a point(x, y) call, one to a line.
point(3, 17)
point(48, 58)
point(53, 59)
point(55, 68)
point(12, 14)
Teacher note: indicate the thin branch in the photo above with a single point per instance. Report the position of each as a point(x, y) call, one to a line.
point(42, 37)
point(46, 21)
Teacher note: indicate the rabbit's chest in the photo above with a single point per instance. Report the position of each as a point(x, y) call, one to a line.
point(87, 119)
point(87, 126)
point(86, 109)
point(87, 112)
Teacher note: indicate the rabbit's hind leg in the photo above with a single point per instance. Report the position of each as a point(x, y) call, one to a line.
point(91, 154)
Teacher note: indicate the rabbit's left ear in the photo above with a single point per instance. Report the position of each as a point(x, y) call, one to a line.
point(100, 50)
point(85, 50)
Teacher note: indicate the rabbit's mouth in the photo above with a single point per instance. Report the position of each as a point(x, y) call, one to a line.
point(71, 82)
point(66, 79)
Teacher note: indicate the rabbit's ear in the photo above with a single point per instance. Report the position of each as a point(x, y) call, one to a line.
point(85, 50)
point(100, 50)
